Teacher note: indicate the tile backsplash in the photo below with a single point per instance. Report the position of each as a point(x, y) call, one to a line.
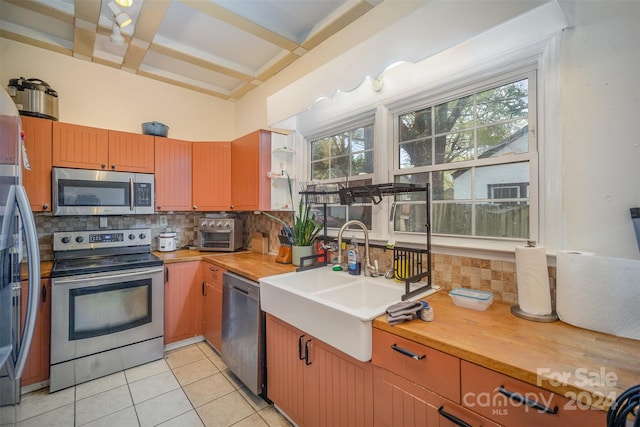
point(449, 271)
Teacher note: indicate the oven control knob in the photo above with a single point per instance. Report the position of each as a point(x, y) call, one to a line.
point(142, 236)
point(132, 236)
point(219, 224)
point(79, 239)
point(66, 239)
point(203, 223)
point(227, 225)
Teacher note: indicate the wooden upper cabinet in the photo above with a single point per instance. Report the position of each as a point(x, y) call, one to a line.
point(211, 176)
point(85, 147)
point(37, 181)
point(250, 163)
point(131, 152)
point(81, 147)
point(173, 165)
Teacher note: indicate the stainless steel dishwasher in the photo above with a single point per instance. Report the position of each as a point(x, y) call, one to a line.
point(243, 331)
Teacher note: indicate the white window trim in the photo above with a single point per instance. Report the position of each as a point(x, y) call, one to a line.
point(547, 162)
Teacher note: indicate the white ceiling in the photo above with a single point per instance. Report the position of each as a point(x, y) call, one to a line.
point(223, 48)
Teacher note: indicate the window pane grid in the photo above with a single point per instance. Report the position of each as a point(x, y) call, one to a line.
point(485, 135)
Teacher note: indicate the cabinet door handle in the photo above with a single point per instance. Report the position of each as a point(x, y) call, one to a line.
point(517, 397)
point(203, 289)
point(166, 274)
point(45, 207)
point(306, 353)
point(113, 166)
point(457, 421)
point(213, 269)
point(407, 352)
point(44, 293)
point(301, 356)
point(103, 166)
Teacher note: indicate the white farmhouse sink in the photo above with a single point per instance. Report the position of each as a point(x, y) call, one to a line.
point(334, 307)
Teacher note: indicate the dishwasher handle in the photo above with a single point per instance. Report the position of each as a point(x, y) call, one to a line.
point(239, 284)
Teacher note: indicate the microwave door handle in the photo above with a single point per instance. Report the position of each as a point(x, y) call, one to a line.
point(131, 202)
point(33, 257)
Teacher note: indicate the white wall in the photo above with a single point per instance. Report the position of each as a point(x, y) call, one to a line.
point(600, 72)
point(95, 95)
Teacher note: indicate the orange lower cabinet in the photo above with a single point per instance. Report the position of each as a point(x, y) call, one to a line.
point(314, 383)
point(37, 367)
point(502, 399)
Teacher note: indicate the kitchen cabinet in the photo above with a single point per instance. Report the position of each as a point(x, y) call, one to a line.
point(282, 169)
point(500, 398)
point(314, 383)
point(212, 303)
point(417, 385)
point(131, 152)
point(83, 147)
point(37, 367)
point(399, 402)
point(182, 301)
point(37, 181)
point(250, 166)
point(211, 176)
point(173, 166)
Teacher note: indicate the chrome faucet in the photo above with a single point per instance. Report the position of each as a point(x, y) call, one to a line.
point(369, 270)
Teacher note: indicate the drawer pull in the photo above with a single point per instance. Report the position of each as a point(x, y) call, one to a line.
point(213, 269)
point(457, 421)
point(517, 397)
point(407, 352)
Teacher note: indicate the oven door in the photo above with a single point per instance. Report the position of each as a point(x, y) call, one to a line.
point(218, 240)
point(92, 313)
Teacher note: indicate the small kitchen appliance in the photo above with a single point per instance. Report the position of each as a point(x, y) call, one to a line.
point(34, 97)
point(220, 232)
point(167, 242)
point(100, 192)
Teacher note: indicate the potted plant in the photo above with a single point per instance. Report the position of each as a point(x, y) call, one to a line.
point(304, 230)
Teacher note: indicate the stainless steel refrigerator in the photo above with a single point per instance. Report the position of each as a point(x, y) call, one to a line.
point(18, 237)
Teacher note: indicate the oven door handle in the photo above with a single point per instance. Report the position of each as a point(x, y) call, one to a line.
point(84, 277)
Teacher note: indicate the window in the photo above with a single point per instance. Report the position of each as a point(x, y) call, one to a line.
point(345, 158)
point(477, 151)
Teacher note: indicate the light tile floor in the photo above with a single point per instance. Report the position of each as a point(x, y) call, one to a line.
point(191, 386)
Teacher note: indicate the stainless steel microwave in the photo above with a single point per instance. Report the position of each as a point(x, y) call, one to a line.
point(94, 192)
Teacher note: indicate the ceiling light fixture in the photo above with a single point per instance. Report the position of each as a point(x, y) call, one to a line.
point(116, 36)
point(124, 3)
point(120, 17)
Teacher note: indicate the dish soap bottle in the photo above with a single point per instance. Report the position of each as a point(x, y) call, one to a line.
point(355, 264)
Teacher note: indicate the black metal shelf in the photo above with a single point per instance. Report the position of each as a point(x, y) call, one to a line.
point(408, 263)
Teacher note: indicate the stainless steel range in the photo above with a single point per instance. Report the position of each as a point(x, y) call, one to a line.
point(107, 306)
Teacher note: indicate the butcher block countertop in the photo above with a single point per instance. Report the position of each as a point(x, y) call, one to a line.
point(592, 362)
point(252, 265)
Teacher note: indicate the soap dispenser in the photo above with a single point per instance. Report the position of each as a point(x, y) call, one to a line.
point(355, 265)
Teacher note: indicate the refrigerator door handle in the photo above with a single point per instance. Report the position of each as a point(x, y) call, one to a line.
point(33, 257)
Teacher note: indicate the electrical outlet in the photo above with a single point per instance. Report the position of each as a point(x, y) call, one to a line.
point(104, 223)
point(163, 221)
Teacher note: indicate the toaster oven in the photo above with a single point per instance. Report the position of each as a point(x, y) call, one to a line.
point(220, 234)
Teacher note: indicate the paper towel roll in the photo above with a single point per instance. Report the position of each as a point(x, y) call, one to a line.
point(599, 293)
point(534, 293)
